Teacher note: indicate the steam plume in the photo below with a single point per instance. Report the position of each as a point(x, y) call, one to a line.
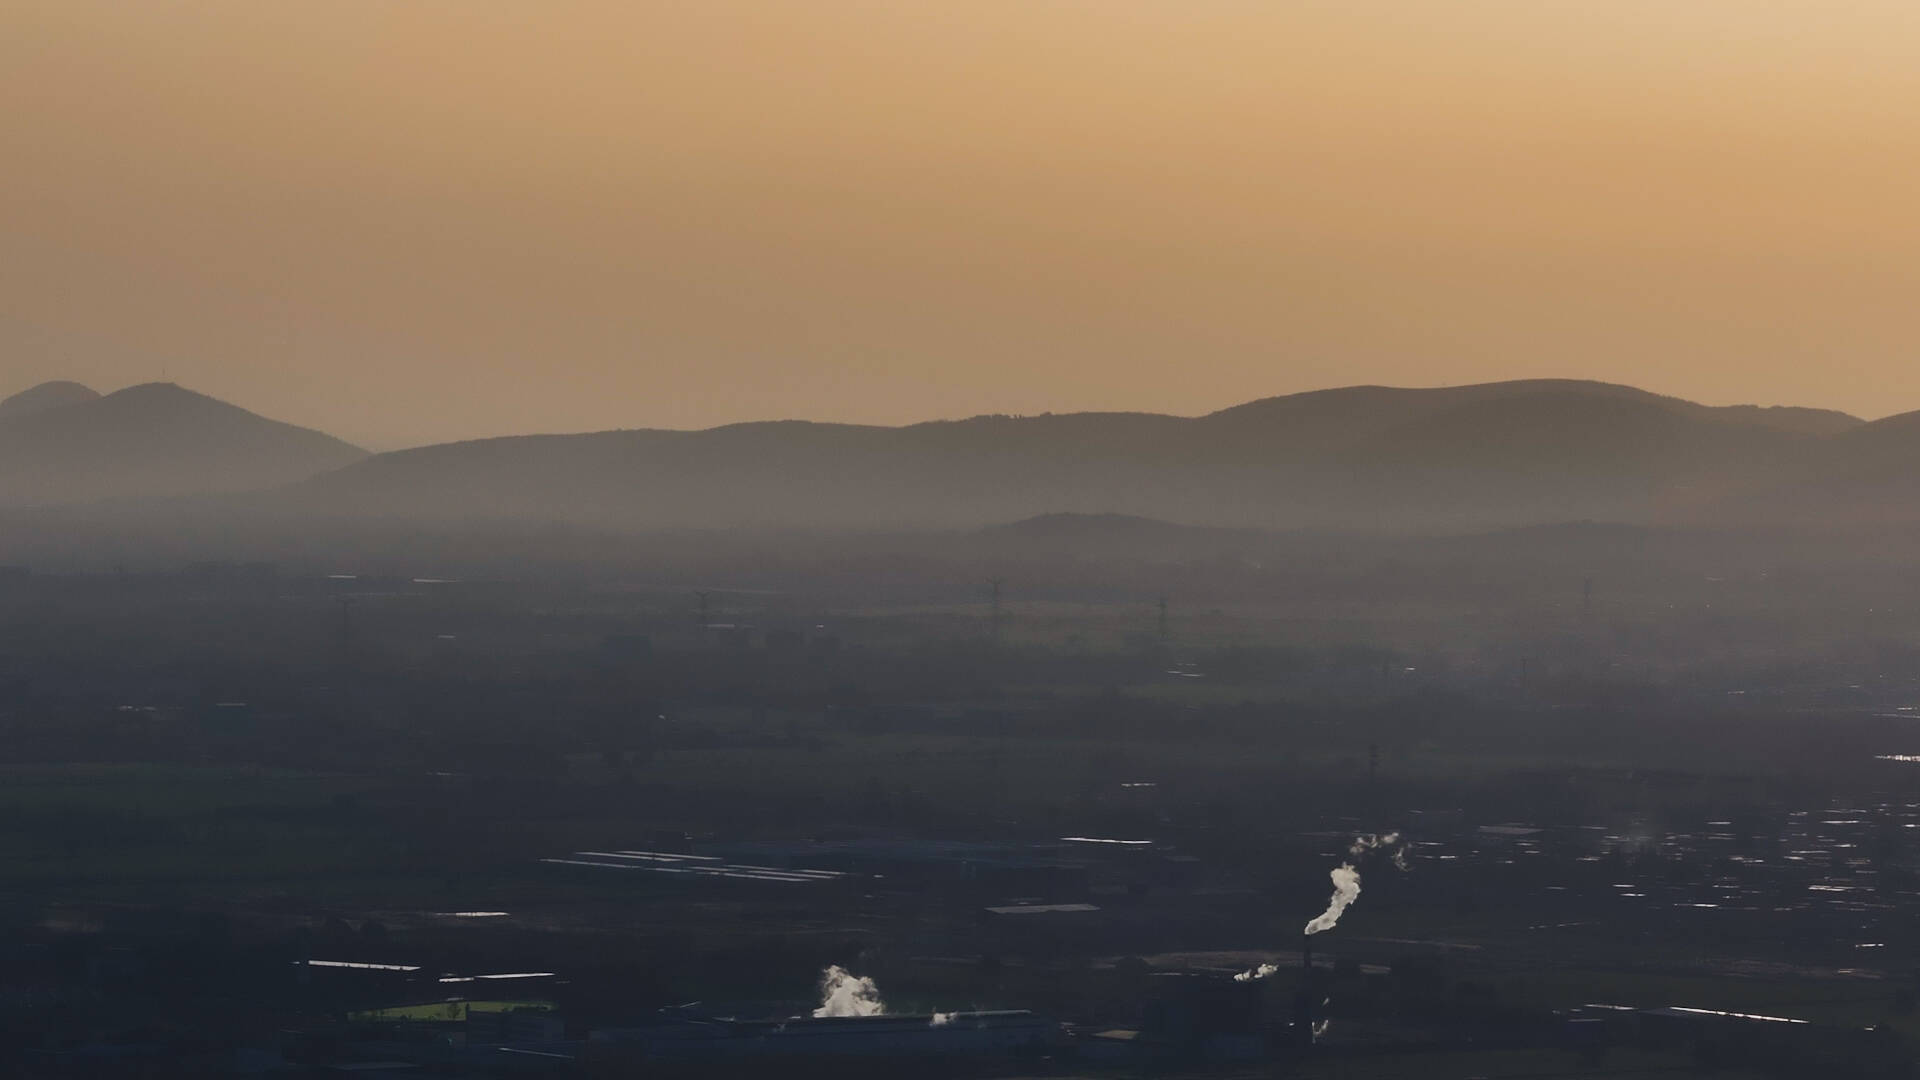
point(845, 994)
point(1346, 889)
point(1368, 842)
point(1346, 877)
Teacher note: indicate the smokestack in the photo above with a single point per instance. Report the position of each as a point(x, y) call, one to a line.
point(1306, 990)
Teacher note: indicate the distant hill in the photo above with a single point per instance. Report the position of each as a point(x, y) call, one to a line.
point(1356, 419)
point(62, 443)
point(45, 398)
point(1867, 475)
point(1461, 458)
point(1892, 443)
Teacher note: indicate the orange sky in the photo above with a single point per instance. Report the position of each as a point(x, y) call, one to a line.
point(413, 220)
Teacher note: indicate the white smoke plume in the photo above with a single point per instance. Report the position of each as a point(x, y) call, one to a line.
point(1260, 972)
point(1369, 842)
point(1346, 889)
point(1346, 877)
point(941, 1019)
point(845, 994)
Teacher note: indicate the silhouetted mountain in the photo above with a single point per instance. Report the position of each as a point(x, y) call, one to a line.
point(1470, 457)
point(1566, 418)
point(1891, 442)
point(150, 440)
point(44, 398)
point(1789, 418)
point(1868, 474)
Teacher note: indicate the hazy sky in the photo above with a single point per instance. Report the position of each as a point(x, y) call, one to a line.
point(412, 220)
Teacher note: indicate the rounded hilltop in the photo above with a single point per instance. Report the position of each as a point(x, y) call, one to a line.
point(46, 397)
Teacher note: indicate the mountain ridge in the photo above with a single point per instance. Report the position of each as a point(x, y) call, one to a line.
point(1486, 455)
point(153, 440)
point(1480, 456)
